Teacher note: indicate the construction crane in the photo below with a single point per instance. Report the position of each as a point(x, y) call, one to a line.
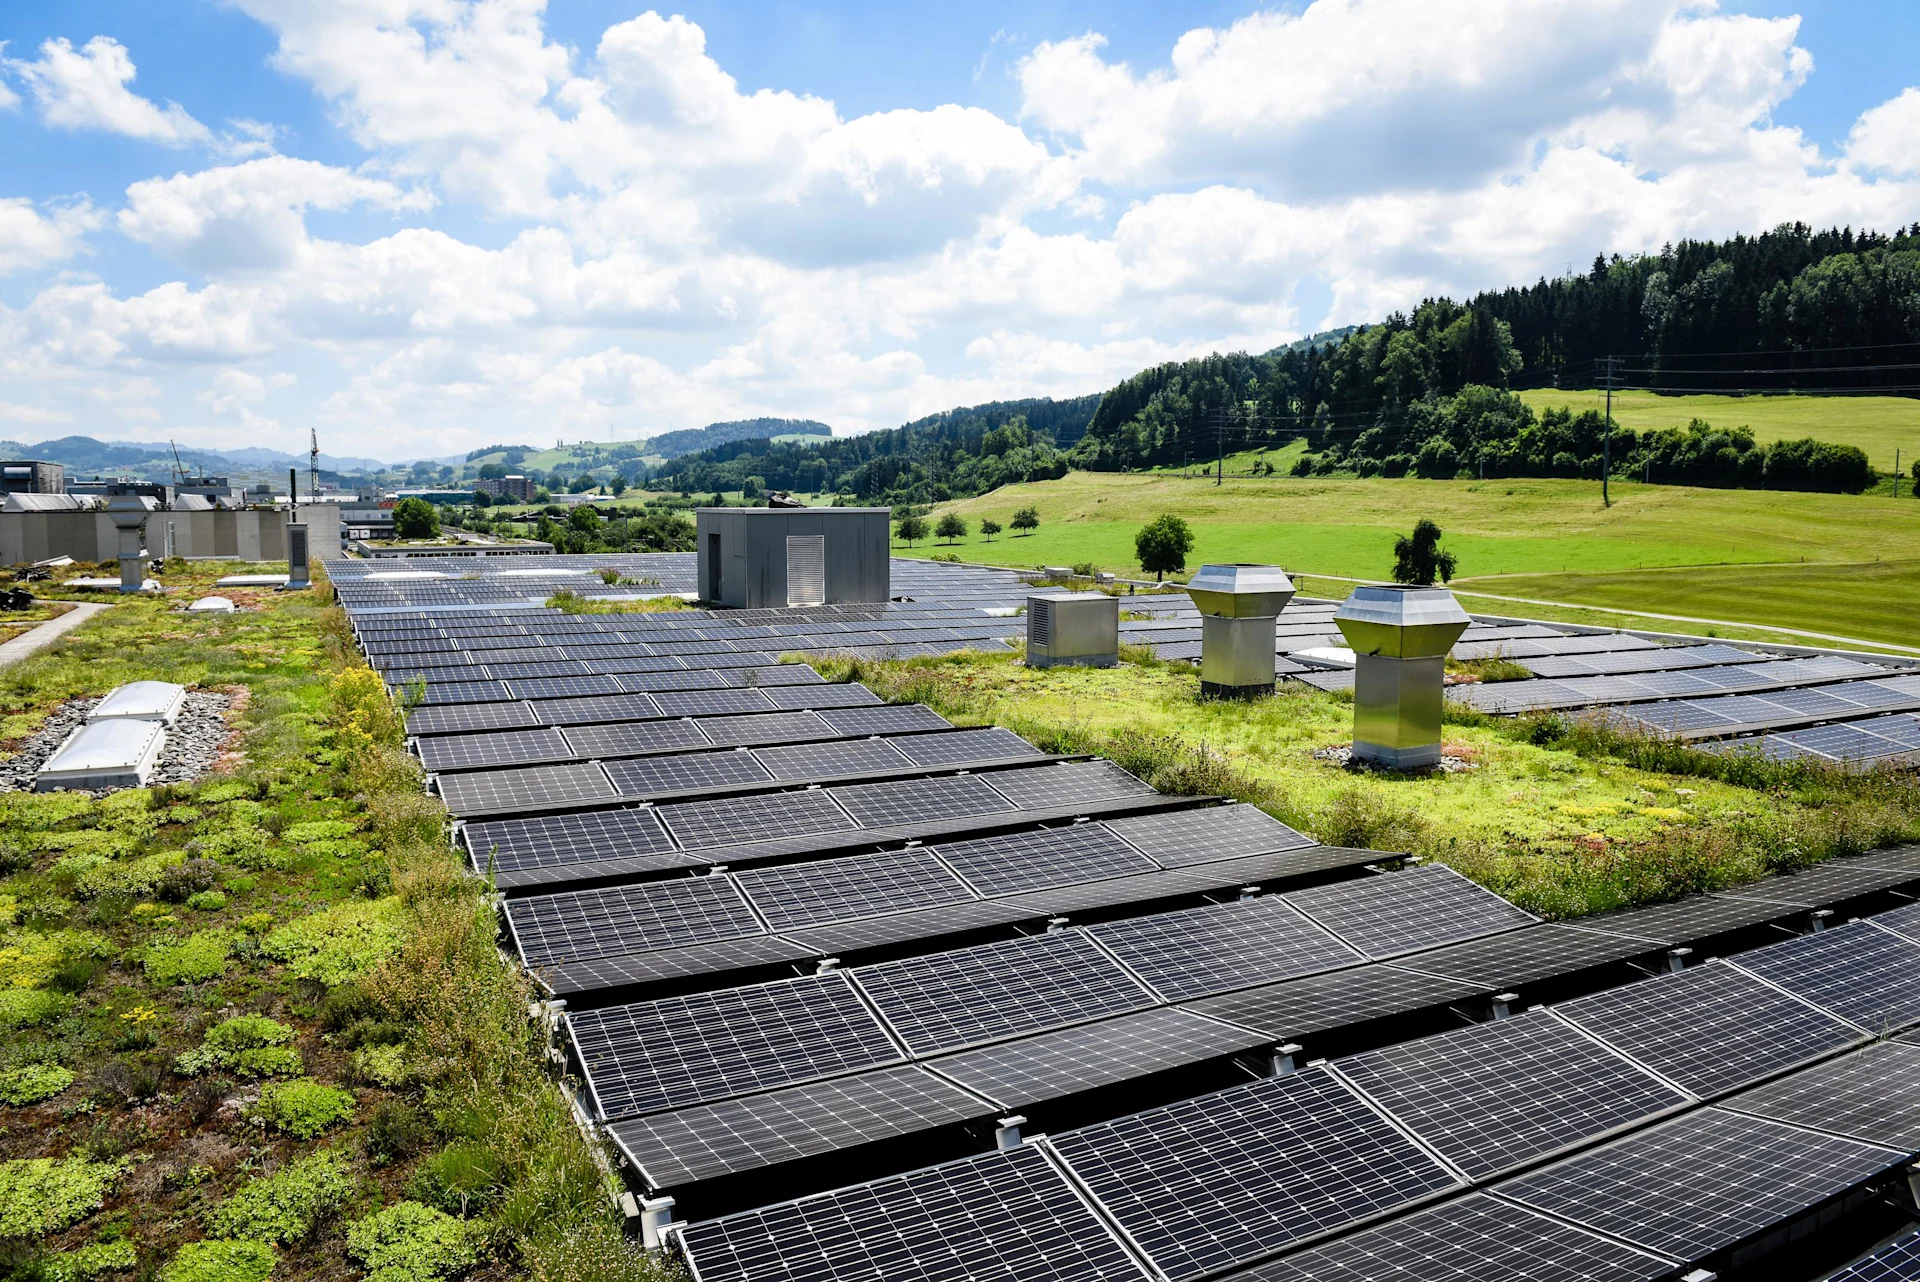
point(313, 463)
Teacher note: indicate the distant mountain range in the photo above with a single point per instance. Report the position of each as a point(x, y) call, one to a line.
point(83, 456)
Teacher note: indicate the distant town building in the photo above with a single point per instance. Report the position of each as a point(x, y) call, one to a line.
point(115, 486)
point(31, 477)
point(517, 489)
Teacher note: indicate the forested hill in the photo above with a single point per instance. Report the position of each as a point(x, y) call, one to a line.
point(689, 440)
point(956, 452)
point(1428, 392)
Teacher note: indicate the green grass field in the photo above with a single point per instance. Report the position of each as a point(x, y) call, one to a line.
point(1555, 532)
point(1877, 424)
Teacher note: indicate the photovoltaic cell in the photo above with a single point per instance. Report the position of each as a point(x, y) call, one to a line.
point(665, 1054)
point(1872, 1095)
point(564, 687)
point(1489, 1096)
point(838, 939)
point(1178, 838)
point(629, 919)
point(1217, 1181)
point(888, 719)
point(550, 840)
point(832, 759)
point(732, 821)
point(1067, 784)
point(730, 1136)
point(1709, 1029)
point(1300, 1008)
point(607, 708)
point(954, 999)
point(924, 1226)
point(1222, 946)
point(1897, 1261)
point(684, 772)
point(1472, 1238)
point(527, 788)
point(1048, 1066)
point(1404, 911)
point(501, 747)
point(822, 696)
point(455, 718)
point(706, 703)
point(708, 961)
point(765, 728)
point(1859, 973)
point(1696, 917)
point(962, 746)
point(441, 692)
point(1021, 861)
point(908, 802)
point(1701, 1182)
point(1525, 955)
point(797, 895)
point(626, 739)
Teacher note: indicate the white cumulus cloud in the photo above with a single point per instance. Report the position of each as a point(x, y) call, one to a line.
point(86, 88)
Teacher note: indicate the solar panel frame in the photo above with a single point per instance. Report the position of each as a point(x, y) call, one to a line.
point(456, 718)
point(634, 738)
point(1403, 912)
point(708, 703)
point(1224, 1179)
point(823, 695)
point(1490, 1096)
point(756, 728)
point(599, 710)
point(672, 965)
point(1696, 917)
point(1519, 957)
point(1701, 1182)
point(923, 1226)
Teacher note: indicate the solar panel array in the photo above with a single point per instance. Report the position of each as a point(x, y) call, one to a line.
point(623, 753)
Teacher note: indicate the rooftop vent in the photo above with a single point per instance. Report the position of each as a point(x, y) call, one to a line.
point(1239, 605)
point(129, 513)
point(1073, 629)
point(141, 701)
point(1400, 638)
point(120, 753)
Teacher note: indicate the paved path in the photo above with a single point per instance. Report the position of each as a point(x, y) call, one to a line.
point(47, 633)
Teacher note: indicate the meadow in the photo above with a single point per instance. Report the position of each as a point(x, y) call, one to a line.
point(1877, 424)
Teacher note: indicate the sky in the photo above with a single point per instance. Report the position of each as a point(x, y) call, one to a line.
point(420, 227)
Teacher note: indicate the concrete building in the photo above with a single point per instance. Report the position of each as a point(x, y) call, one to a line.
point(116, 486)
point(28, 476)
point(754, 557)
point(253, 534)
point(513, 489)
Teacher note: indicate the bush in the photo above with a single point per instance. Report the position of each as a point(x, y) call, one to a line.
point(207, 901)
point(340, 944)
point(98, 1259)
point(181, 882)
point(302, 1108)
point(31, 1083)
point(289, 1204)
point(409, 1242)
point(193, 960)
point(29, 1007)
point(218, 1261)
point(396, 1132)
point(39, 1195)
point(463, 1178)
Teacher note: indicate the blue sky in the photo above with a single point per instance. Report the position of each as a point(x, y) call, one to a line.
point(425, 225)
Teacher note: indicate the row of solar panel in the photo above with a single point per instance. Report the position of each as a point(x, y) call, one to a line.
point(1877, 739)
point(553, 930)
point(467, 718)
point(1696, 718)
point(660, 656)
point(691, 1144)
point(1229, 1180)
point(1539, 693)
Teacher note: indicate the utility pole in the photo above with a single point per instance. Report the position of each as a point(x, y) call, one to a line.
point(1220, 447)
point(1606, 442)
point(313, 462)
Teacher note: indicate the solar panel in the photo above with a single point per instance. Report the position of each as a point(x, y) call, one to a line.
point(1220, 1180)
point(564, 687)
point(1019, 861)
point(628, 919)
point(1857, 972)
point(605, 708)
point(1872, 1095)
point(1300, 1008)
point(1178, 838)
point(1471, 1239)
point(1404, 911)
point(1522, 956)
point(684, 772)
point(1897, 1261)
point(842, 938)
point(1827, 883)
point(1067, 784)
point(1697, 917)
point(1702, 1182)
point(501, 747)
point(1709, 1029)
point(924, 1226)
point(823, 696)
point(527, 788)
point(1489, 1096)
point(1048, 1066)
point(702, 961)
point(452, 718)
point(1222, 946)
point(959, 747)
point(829, 760)
point(794, 895)
point(550, 840)
point(1903, 921)
point(624, 739)
point(725, 1138)
point(889, 719)
point(950, 1000)
point(440, 692)
point(907, 802)
point(733, 821)
point(765, 728)
point(544, 668)
point(707, 703)
point(664, 1054)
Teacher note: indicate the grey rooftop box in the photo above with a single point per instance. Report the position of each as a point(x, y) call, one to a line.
point(1080, 629)
point(141, 701)
point(120, 753)
point(756, 557)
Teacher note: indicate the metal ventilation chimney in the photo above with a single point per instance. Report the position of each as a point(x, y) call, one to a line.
point(299, 572)
point(1400, 638)
point(129, 513)
point(1073, 628)
point(1238, 606)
